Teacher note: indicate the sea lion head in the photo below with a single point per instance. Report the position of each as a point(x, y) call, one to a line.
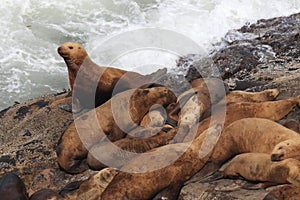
point(72, 53)
point(286, 149)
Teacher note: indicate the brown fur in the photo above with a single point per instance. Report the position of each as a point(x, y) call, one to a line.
point(46, 194)
point(126, 148)
point(273, 110)
point(89, 81)
point(110, 116)
point(259, 167)
point(245, 135)
point(242, 96)
point(12, 187)
point(287, 149)
point(156, 176)
point(206, 93)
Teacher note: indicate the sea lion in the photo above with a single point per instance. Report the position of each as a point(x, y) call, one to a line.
point(116, 118)
point(92, 85)
point(245, 135)
point(259, 167)
point(243, 96)
point(207, 93)
point(12, 187)
point(166, 165)
point(46, 194)
point(93, 187)
point(287, 149)
point(120, 152)
point(273, 110)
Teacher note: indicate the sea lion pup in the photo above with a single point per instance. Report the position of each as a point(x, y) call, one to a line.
point(287, 149)
point(273, 110)
point(46, 194)
point(245, 135)
point(92, 188)
point(12, 187)
point(95, 81)
point(259, 167)
point(110, 121)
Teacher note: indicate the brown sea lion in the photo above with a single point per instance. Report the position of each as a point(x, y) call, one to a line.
point(110, 121)
point(92, 84)
point(243, 96)
point(12, 187)
point(287, 149)
point(92, 188)
point(206, 93)
point(147, 174)
point(120, 152)
point(46, 194)
point(259, 167)
point(245, 135)
point(273, 110)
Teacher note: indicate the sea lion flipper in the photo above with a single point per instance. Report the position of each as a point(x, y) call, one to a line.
point(214, 177)
point(258, 186)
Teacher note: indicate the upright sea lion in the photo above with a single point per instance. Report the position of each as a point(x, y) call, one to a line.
point(12, 187)
point(110, 121)
point(92, 84)
point(259, 167)
point(287, 149)
point(245, 135)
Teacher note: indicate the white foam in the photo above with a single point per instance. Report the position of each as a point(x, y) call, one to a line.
point(33, 29)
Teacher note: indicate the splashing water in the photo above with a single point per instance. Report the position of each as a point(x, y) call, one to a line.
point(33, 29)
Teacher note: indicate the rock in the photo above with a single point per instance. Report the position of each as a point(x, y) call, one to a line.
point(253, 58)
point(224, 189)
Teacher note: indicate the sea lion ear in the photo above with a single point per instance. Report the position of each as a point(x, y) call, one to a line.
point(145, 92)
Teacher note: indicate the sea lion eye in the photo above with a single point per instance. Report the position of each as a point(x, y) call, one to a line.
point(70, 47)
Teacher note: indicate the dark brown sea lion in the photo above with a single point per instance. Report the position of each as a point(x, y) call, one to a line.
point(245, 135)
point(12, 187)
point(110, 121)
point(46, 194)
point(92, 84)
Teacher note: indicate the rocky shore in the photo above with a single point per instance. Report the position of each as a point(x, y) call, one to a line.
point(255, 57)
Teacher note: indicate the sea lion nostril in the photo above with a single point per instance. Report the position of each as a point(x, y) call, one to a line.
point(276, 157)
point(59, 49)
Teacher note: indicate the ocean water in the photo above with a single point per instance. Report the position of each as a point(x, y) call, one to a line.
point(140, 35)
